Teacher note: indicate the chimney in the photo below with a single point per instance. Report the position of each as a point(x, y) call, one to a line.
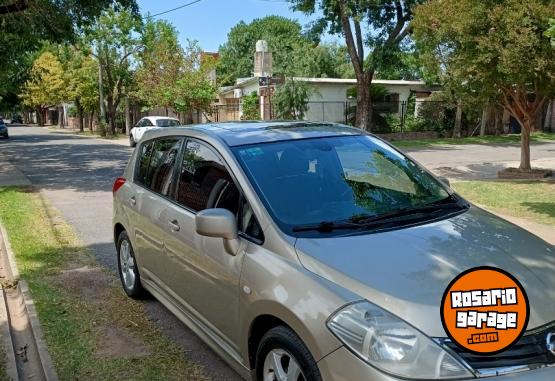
point(262, 60)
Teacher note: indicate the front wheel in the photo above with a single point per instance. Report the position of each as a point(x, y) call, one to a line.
point(282, 356)
point(127, 268)
point(132, 142)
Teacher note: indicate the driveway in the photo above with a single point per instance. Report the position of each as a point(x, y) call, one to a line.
point(480, 161)
point(76, 175)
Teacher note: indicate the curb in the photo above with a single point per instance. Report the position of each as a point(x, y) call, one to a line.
point(36, 330)
point(45, 359)
point(9, 253)
point(11, 365)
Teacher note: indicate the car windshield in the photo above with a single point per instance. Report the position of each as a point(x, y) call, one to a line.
point(342, 178)
point(167, 123)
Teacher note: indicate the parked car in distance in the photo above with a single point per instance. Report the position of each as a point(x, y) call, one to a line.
point(3, 129)
point(309, 251)
point(16, 119)
point(148, 123)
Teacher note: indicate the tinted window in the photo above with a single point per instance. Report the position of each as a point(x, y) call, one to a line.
point(204, 182)
point(162, 162)
point(167, 123)
point(147, 123)
point(145, 154)
point(334, 179)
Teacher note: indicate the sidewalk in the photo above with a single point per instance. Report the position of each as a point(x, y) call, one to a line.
point(10, 176)
point(123, 141)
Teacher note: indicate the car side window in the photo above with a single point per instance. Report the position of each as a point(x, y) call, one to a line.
point(247, 222)
point(145, 153)
point(159, 176)
point(147, 123)
point(204, 181)
point(140, 123)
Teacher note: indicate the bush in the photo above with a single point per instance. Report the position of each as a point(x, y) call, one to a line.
point(250, 106)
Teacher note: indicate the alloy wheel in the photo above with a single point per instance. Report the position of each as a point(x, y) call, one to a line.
point(279, 365)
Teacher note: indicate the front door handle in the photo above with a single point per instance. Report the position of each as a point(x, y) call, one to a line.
point(174, 225)
point(133, 200)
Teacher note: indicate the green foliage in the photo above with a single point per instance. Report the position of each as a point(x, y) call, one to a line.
point(160, 62)
point(22, 34)
point(291, 99)
point(194, 90)
point(250, 106)
point(294, 54)
point(551, 31)
point(46, 85)
point(115, 39)
point(484, 49)
point(171, 76)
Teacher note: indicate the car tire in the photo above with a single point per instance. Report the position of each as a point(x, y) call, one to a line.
point(132, 142)
point(128, 269)
point(276, 351)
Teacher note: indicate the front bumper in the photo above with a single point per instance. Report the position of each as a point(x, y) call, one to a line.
point(342, 365)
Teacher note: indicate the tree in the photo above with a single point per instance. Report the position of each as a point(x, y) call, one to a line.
point(115, 40)
point(194, 90)
point(492, 50)
point(294, 53)
point(161, 63)
point(46, 85)
point(82, 74)
point(250, 107)
point(291, 99)
point(26, 24)
point(385, 24)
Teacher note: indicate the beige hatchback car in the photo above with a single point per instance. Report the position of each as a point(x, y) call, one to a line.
point(306, 251)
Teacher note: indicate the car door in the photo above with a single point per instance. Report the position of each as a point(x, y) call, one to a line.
point(155, 180)
point(203, 275)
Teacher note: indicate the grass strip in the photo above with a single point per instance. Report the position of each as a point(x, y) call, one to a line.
point(530, 200)
point(93, 331)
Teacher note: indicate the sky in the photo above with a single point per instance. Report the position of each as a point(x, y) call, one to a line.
point(209, 21)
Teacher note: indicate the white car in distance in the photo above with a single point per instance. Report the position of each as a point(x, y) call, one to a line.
point(148, 123)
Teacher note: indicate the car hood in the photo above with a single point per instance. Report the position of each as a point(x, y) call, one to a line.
point(406, 271)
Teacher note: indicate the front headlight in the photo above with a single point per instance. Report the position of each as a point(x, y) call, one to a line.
point(392, 345)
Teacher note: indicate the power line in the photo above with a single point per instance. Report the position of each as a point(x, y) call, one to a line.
point(174, 9)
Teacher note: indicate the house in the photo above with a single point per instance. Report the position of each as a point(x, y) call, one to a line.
point(329, 100)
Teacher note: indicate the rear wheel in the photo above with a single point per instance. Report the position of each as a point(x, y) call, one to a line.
point(127, 268)
point(282, 356)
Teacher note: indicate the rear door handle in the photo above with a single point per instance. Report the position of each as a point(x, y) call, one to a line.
point(174, 225)
point(132, 200)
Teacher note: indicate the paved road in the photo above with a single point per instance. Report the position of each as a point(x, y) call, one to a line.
point(76, 175)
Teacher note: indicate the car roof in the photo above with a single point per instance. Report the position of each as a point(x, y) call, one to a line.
point(245, 133)
point(155, 118)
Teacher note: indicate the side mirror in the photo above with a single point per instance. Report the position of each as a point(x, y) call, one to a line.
point(445, 181)
point(219, 223)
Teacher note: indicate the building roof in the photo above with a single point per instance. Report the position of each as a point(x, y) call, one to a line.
point(244, 133)
point(243, 82)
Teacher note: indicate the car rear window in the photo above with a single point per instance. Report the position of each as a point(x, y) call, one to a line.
point(167, 123)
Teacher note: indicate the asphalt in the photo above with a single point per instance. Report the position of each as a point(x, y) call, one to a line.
point(76, 175)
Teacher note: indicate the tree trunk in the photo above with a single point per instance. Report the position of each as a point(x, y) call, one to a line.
point(525, 164)
point(111, 116)
point(484, 120)
point(458, 120)
point(127, 117)
point(61, 116)
point(40, 120)
point(552, 119)
point(80, 115)
point(364, 105)
point(91, 119)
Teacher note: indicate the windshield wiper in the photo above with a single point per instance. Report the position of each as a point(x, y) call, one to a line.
point(327, 226)
point(450, 202)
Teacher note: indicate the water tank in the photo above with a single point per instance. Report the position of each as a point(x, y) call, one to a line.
point(261, 46)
